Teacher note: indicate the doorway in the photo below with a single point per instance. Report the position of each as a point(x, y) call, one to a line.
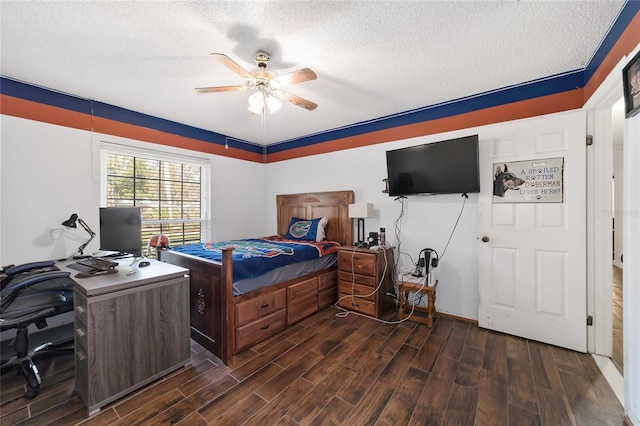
point(605, 188)
point(617, 132)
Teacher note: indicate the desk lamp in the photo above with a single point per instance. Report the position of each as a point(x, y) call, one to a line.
point(360, 211)
point(71, 223)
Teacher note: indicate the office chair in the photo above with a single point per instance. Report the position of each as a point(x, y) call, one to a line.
point(30, 294)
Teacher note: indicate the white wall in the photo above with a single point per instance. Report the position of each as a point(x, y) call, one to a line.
point(428, 220)
point(46, 176)
point(49, 172)
point(631, 272)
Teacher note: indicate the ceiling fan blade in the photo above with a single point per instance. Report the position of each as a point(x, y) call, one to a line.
point(220, 89)
point(232, 65)
point(296, 100)
point(298, 76)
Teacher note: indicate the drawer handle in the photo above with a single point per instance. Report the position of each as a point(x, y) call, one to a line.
point(266, 305)
point(81, 356)
point(354, 304)
point(80, 332)
point(80, 309)
point(264, 327)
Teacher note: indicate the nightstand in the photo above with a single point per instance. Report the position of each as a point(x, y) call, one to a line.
point(364, 279)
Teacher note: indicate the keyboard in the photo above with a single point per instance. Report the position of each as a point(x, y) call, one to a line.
point(96, 263)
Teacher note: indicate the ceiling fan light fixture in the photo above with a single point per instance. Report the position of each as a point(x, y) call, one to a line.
point(261, 99)
point(272, 103)
point(266, 86)
point(256, 103)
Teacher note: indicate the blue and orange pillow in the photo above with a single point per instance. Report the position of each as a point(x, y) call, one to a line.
point(306, 229)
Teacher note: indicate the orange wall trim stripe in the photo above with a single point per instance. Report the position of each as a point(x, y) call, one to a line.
point(63, 117)
point(523, 109)
point(42, 112)
point(629, 39)
point(117, 128)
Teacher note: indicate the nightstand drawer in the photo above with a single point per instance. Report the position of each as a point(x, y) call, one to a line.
point(345, 287)
point(358, 262)
point(367, 280)
point(357, 304)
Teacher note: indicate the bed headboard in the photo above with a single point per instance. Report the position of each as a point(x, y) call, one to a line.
point(334, 205)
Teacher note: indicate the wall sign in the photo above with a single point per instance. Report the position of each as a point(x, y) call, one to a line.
point(533, 181)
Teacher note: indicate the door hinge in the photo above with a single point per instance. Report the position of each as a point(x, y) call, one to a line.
point(589, 140)
point(590, 320)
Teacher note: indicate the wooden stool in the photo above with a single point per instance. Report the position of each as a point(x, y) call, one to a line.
point(418, 311)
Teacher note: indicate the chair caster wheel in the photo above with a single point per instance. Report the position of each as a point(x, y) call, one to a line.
point(31, 393)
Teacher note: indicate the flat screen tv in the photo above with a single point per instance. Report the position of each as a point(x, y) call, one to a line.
point(120, 230)
point(445, 167)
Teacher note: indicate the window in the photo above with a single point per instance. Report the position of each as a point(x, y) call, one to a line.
point(172, 192)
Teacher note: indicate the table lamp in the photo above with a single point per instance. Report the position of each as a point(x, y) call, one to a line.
point(360, 211)
point(71, 223)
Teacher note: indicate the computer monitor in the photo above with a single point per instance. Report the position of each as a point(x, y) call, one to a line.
point(120, 230)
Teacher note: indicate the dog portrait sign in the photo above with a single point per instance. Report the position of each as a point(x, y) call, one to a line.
point(532, 181)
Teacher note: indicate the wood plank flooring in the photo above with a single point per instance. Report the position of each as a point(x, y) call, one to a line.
point(618, 355)
point(351, 371)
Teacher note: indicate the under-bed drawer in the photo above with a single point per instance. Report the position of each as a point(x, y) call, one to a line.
point(256, 331)
point(302, 299)
point(327, 297)
point(260, 306)
point(328, 280)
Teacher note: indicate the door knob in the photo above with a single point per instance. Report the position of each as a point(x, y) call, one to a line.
point(485, 239)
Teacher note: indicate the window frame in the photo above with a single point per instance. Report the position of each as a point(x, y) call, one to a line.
point(107, 148)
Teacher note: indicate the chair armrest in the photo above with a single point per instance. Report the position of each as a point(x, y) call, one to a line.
point(12, 272)
point(28, 266)
point(10, 292)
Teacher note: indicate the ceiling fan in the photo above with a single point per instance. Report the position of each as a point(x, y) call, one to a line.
point(266, 86)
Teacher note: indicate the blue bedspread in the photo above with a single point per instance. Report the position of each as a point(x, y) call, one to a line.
point(254, 257)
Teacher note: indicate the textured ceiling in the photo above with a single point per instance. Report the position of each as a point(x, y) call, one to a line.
point(372, 59)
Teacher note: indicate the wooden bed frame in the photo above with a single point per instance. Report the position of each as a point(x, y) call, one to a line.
point(226, 324)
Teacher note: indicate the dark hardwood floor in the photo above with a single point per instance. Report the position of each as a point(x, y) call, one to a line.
point(618, 354)
point(352, 371)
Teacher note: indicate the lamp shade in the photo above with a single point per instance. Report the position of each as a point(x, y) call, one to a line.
point(360, 210)
point(71, 222)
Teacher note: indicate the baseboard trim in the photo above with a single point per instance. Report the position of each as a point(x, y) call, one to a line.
point(612, 376)
point(455, 317)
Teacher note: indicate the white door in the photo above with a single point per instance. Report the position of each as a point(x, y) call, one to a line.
point(532, 270)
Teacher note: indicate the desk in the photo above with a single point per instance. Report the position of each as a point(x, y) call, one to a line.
point(405, 288)
point(129, 329)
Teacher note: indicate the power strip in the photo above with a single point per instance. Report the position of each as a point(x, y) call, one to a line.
point(408, 278)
